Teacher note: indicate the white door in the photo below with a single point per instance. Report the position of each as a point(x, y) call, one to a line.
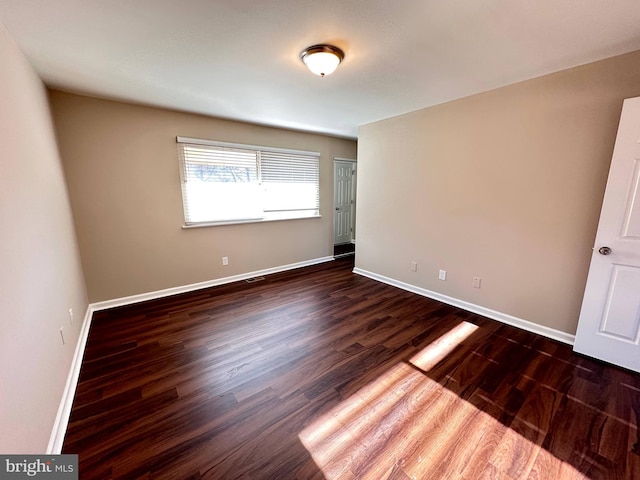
point(343, 174)
point(609, 326)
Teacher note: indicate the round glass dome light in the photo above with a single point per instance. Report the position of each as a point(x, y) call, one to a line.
point(322, 59)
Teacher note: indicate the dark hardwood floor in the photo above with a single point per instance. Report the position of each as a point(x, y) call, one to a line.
point(344, 249)
point(318, 373)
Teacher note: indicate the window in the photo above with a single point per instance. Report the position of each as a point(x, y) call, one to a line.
point(230, 183)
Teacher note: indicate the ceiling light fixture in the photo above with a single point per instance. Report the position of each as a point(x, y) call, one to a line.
point(322, 59)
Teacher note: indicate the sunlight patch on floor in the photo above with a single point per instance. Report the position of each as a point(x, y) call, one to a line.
point(431, 355)
point(405, 420)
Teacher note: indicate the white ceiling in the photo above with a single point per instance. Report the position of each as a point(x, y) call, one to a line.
point(239, 59)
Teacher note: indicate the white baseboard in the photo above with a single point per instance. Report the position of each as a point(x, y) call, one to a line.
point(470, 307)
point(64, 410)
point(143, 297)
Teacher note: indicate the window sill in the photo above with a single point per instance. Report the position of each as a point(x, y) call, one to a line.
point(241, 222)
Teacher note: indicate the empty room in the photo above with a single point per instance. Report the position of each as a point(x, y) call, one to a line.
point(320, 240)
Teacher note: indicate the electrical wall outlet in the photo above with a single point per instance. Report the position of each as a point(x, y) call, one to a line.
point(476, 282)
point(442, 275)
point(225, 260)
point(414, 266)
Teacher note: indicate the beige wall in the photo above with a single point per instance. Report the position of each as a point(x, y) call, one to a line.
point(124, 183)
point(505, 185)
point(41, 277)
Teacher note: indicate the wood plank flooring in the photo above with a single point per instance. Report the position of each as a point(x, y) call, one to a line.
point(318, 373)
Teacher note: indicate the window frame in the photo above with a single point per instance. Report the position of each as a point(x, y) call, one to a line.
point(282, 215)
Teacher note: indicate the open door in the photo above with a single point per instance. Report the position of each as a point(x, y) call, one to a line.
point(609, 325)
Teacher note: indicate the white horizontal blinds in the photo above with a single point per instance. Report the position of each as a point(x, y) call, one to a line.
point(290, 182)
point(220, 184)
point(227, 182)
